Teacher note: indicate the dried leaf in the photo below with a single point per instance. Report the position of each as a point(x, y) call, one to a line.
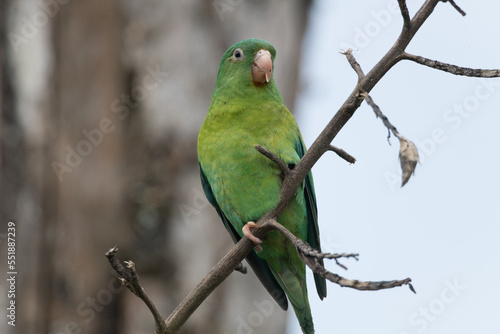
point(408, 155)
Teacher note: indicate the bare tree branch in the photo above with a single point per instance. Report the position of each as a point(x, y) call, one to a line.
point(354, 284)
point(408, 152)
point(241, 268)
point(354, 64)
point(453, 69)
point(274, 158)
point(455, 6)
point(307, 250)
point(131, 280)
point(359, 71)
point(379, 114)
point(310, 256)
point(343, 154)
point(405, 13)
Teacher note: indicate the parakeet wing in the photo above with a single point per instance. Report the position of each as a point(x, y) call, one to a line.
point(259, 266)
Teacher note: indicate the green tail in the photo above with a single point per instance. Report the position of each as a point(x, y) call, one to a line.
point(296, 290)
point(305, 318)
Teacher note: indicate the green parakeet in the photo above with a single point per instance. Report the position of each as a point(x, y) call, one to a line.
point(243, 185)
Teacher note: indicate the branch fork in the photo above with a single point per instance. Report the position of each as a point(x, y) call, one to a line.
point(130, 280)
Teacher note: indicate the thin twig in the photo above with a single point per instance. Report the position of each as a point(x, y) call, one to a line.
point(131, 280)
point(455, 6)
point(354, 284)
point(357, 68)
point(343, 154)
point(273, 157)
point(379, 114)
point(359, 71)
point(453, 69)
point(310, 257)
point(307, 250)
point(408, 152)
point(354, 64)
point(241, 268)
point(405, 13)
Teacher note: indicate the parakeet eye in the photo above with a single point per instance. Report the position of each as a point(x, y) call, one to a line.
point(238, 54)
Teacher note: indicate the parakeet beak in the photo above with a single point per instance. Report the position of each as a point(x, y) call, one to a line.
point(262, 67)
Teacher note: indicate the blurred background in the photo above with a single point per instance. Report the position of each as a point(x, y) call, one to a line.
point(101, 105)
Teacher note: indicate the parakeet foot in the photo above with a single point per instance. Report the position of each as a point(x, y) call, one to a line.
point(248, 233)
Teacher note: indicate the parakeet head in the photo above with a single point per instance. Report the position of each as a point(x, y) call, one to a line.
point(247, 66)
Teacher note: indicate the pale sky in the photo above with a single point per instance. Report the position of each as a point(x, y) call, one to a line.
point(442, 228)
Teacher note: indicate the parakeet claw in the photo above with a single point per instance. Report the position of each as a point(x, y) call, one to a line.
point(248, 233)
